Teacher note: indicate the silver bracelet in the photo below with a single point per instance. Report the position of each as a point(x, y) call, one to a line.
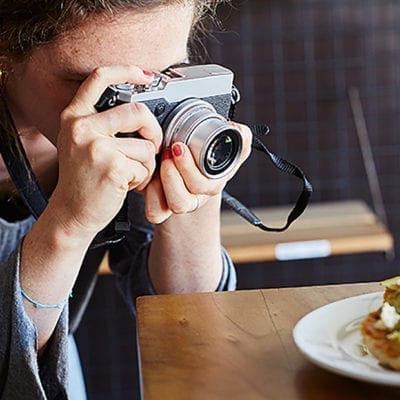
point(41, 305)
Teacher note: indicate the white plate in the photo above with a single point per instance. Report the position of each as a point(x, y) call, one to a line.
point(330, 337)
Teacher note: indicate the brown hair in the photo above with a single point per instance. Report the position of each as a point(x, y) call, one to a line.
point(26, 24)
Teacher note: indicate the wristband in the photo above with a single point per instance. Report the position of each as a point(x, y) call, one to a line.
point(36, 304)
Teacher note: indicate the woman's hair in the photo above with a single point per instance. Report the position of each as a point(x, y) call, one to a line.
point(26, 24)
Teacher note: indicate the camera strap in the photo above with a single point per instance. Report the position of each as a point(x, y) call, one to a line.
point(282, 165)
point(21, 173)
point(278, 162)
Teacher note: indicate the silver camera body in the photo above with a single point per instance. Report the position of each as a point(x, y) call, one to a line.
point(192, 105)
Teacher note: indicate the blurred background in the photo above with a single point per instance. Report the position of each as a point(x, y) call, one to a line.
point(294, 62)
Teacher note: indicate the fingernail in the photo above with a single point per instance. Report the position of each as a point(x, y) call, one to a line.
point(177, 149)
point(147, 73)
point(166, 155)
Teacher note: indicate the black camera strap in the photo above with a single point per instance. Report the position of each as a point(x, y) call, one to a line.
point(278, 162)
point(282, 165)
point(21, 173)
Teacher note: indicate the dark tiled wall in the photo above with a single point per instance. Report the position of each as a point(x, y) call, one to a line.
point(294, 63)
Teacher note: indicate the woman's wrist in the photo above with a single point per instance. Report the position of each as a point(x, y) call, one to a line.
point(51, 247)
point(64, 228)
point(185, 255)
point(51, 258)
point(207, 212)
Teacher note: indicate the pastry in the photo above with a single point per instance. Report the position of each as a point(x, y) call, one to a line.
point(381, 328)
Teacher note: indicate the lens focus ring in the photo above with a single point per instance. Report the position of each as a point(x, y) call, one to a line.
point(216, 146)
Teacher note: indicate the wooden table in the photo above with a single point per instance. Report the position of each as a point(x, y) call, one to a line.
point(239, 345)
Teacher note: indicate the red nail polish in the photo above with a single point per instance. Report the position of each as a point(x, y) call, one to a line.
point(177, 149)
point(167, 155)
point(147, 73)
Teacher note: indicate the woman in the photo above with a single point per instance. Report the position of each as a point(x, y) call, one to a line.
point(56, 59)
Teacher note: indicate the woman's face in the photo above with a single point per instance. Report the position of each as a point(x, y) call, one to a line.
point(43, 85)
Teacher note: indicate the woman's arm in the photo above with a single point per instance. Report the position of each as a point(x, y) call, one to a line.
point(22, 373)
point(185, 255)
point(51, 257)
point(96, 170)
point(185, 205)
point(129, 259)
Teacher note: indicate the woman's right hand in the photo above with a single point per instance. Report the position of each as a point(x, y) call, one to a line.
point(97, 169)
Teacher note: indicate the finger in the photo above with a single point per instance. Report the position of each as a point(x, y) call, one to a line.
point(129, 117)
point(156, 207)
point(141, 151)
point(137, 149)
point(179, 199)
point(133, 117)
point(94, 85)
point(124, 174)
point(136, 175)
point(193, 178)
point(247, 138)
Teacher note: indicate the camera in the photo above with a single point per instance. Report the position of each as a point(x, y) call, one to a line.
point(192, 104)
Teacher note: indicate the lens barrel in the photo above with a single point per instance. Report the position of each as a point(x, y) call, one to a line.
point(215, 145)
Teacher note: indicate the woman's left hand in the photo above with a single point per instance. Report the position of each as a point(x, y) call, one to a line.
point(179, 187)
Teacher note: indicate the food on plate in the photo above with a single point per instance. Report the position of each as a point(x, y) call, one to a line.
point(381, 328)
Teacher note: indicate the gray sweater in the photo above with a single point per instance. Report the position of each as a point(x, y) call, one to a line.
point(24, 376)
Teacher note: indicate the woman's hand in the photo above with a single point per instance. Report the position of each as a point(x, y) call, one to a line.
point(180, 187)
point(97, 169)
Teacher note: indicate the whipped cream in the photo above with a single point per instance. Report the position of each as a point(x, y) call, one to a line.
point(389, 315)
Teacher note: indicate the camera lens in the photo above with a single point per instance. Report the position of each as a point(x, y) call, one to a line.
point(221, 152)
point(214, 144)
